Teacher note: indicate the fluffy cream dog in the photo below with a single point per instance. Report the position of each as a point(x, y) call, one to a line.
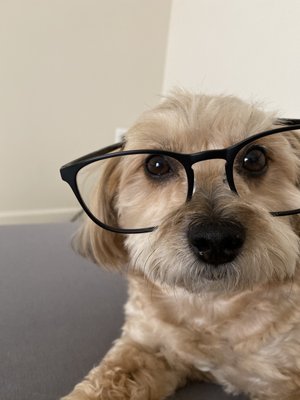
point(195, 311)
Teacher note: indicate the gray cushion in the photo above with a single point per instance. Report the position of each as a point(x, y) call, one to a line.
point(59, 314)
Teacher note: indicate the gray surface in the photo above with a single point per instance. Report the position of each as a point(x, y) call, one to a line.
point(58, 315)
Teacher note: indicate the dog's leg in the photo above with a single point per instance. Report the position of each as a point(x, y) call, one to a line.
point(130, 372)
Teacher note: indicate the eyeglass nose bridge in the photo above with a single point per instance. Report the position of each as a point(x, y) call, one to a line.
point(218, 154)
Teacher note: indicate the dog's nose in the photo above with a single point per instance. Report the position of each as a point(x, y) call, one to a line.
point(216, 242)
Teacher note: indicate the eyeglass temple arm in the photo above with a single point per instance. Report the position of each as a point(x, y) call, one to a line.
point(287, 121)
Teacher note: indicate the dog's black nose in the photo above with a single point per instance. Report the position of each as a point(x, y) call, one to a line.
point(216, 242)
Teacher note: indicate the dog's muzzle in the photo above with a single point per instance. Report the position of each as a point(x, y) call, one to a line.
point(217, 242)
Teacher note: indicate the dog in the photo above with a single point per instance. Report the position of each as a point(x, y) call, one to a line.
point(214, 288)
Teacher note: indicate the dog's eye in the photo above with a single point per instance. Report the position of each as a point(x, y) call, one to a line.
point(157, 166)
point(255, 160)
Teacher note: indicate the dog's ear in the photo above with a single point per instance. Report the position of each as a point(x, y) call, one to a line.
point(103, 247)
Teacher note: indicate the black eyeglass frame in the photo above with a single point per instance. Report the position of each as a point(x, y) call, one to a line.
point(70, 170)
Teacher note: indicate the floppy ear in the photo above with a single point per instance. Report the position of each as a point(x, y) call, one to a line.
point(93, 242)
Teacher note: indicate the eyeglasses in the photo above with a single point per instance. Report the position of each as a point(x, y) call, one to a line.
point(254, 168)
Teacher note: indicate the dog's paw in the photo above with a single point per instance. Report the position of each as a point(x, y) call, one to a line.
point(77, 396)
point(114, 385)
point(81, 395)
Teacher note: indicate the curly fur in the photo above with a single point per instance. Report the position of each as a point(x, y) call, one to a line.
point(240, 326)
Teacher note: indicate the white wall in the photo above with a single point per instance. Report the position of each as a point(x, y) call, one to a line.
point(71, 71)
point(250, 48)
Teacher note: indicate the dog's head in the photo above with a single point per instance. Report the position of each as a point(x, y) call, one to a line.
point(217, 240)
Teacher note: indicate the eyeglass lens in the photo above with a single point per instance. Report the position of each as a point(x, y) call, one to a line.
point(266, 172)
point(153, 187)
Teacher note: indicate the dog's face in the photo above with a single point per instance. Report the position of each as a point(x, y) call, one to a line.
point(217, 240)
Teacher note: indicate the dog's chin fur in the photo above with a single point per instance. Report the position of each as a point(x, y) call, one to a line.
point(236, 323)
